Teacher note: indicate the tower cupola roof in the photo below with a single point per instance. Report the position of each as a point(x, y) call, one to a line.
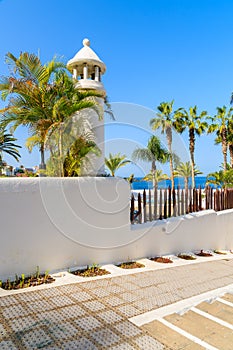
point(86, 56)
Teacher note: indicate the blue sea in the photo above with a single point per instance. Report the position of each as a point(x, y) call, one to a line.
point(138, 184)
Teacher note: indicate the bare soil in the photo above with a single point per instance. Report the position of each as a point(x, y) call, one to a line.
point(130, 265)
point(91, 272)
point(161, 259)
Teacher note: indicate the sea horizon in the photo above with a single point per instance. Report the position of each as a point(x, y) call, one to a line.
point(140, 184)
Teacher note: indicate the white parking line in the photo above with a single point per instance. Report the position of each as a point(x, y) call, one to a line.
point(187, 335)
point(212, 318)
point(181, 306)
point(223, 301)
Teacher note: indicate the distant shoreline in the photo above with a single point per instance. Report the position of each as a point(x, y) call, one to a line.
point(138, 184)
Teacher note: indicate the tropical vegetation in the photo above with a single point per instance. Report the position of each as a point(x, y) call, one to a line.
point(42, 98)
point(221, 178)
point(230, 140)
point(8, 146)
point(154, 152)
point(185, 170)
point(196, 125)
point(164, 120)
point(155, 177)
point(116, 161)
point(221, 123)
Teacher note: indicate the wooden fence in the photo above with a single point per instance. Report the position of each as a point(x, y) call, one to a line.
point(164, 203)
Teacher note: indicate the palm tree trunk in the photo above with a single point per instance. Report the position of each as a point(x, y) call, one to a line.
point(186, 186)
point(231, 154)
point(0, 164)
point(224, 148)
point(153, 168)
point(191, 150)
point(169, 144)
point(60, 152)
point(42, 156)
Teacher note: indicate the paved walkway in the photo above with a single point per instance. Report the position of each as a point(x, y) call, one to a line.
point(95, 314)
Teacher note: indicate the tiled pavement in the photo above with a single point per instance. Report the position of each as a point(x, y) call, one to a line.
point(95, 314)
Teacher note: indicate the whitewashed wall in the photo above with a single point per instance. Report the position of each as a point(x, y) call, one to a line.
point(60, 223)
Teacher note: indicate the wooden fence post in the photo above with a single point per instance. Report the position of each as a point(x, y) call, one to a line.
point(169, 202)
point(132, 209)
point(194, 200)
point(200, 198)
point(211, 198)
point(155, 203)
point(150, 212)
point(207, 197)
point(174, 202)
point(139, 208)
point(160, 205)
point(186, 201)
point(165, 204)
point(144, 206)
point(178, 200)
point(190, 200)
point(182, 202)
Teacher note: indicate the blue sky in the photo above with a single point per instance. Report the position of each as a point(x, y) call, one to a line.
point(154, 50)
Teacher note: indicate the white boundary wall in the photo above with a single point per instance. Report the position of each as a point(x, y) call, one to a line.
point(59, 223)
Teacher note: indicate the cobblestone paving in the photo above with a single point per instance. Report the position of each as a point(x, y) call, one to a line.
point(94, 314)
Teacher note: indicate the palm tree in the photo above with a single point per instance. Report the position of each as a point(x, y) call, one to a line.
point(221, 178)
point(77, 155)
point(8, 146)
point(185, 170)
point(65, 112)
point(164, 120)
point(156, 176)
point(195, 124)
point(230, 140)
point(115, 162)
point(43, 97)
point(219, 125)
point(154, 152)
point(28, 85)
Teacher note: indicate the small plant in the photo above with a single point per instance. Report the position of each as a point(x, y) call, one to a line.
point(93, 267)
point(21, 284)
point(202, 253)
point(161, 259)
point(37, 272)
point(16, 278)
point(216, 251)
point(46, 276)
point(130, 265)
point(186, 256)
point(91, 271)
point(30, 281)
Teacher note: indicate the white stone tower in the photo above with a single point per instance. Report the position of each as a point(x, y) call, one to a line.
point(88, 69)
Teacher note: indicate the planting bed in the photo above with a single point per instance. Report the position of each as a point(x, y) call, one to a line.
point(202, 253)
point(186, 256)
point(220, 252)
point(25, 282)
point(161, 259)
point(130, 265)
point(91, 271)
